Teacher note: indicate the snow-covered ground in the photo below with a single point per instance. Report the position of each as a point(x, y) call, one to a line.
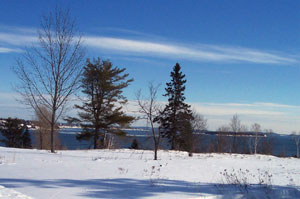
point(11, 194)
point(133, 174)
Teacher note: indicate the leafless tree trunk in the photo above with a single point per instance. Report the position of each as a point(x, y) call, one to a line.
point(235, 125)
point(110, 144)
point(150, 109)
point(257, 130)
point(49, 71)
point(199, 123)
point(296, 137)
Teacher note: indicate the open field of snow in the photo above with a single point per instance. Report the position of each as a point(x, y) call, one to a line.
point(134, 174)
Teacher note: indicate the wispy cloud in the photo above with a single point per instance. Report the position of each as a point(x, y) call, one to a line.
point(10, 107)
point(10, 50)
point(211, 109)
point(18, 29)
point(255, 104)
point(276, 105)
point(198, 53)
point(281, 118)
point(255, 109)
point(17, 39)
point(104, 31)
point(151, 48)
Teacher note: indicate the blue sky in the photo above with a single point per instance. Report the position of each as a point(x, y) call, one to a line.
point(239, 57)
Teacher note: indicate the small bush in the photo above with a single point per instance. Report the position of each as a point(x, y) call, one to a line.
point(246, 182)
point(237, 178)
point(134, 144)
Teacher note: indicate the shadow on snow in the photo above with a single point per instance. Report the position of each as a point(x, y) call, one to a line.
point(136, 189)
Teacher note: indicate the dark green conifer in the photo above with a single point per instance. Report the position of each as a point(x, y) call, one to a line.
point(13, 133)
point(175, 119)
point(101, 109)
point(26, 140)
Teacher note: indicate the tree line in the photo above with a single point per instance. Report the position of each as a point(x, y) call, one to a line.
point(53, 71)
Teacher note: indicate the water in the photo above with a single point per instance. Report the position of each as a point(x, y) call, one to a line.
point(68, 139)
point(282, 144)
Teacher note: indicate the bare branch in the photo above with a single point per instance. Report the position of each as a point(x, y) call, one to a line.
point(150, 108)
point(49, 73)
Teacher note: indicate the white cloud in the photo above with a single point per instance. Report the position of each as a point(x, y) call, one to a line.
point(9, 50)
point(255, 104)
point(276, 105)
point(10, 107)
point(200, 52)
point(281, 118)
point(17, 39)
point(20, 29)
point(231, 110)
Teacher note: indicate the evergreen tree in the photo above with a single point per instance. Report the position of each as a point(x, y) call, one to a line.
point(175, 119)
point(101, 109)
point(12, 132)
point(26, 140)
point(185, 138)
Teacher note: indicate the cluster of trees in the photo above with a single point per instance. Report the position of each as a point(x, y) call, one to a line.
point(176, 120)
point(238, 138)
point(53, 71)
point(15, 133)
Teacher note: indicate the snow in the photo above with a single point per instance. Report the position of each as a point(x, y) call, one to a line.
point(11, 194)
point(133, 174)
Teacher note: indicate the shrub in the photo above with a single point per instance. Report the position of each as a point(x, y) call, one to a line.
point(134, 144)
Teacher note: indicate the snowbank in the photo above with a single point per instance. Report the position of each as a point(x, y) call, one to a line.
point(133, 174)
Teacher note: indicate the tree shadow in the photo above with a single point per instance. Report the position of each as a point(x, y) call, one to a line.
point(142, 188)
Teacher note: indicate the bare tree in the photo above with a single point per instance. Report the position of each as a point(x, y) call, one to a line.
point(150, 109)
point(296, 137)
point(49, 71)
point(235, 123)
point(235, 127)
point(222, 139)
point(224, 128)
point(257, 130)
point(43, 133)
point(199, 123)
point(250, 142)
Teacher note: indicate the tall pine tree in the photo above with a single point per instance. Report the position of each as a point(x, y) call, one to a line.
point(101, 109)
point(175, 119)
